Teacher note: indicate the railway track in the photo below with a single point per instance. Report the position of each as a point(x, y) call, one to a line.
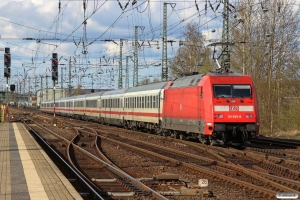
point(104, 180)
point(224, 168)
point(284, 143)
point(79, 183)
point(258, 175)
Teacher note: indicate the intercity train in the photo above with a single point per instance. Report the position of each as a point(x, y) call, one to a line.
point(216, 108)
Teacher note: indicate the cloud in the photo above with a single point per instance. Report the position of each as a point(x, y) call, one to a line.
point(63, 32)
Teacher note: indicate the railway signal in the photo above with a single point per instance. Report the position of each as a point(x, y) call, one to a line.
point(12, 87)
point(7, 62)
point(54, 67)
point(7, 72)
point(7, 59)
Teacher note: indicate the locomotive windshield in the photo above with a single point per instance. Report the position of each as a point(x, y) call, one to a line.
point(225, 91)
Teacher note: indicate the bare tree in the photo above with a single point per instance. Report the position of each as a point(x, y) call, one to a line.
point(192, 55)
point(266, 38)
point(147, 81)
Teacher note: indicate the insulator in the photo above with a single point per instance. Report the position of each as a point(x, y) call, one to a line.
point(120, 5)
point(218, 6)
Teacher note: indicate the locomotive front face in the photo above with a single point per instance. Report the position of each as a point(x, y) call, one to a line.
point(234, 109)
point(233, 103)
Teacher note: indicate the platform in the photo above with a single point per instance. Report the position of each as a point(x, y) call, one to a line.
point(26, 170)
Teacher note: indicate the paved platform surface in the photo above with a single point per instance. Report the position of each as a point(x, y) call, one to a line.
point(26, 170)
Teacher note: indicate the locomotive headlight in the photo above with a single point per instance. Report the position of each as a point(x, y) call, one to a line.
point(218, 116)
point(249, 116)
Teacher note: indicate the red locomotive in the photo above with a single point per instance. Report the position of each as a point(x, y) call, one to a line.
point(214, 107)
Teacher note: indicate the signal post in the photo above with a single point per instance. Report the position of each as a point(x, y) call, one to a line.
point(7, 64)
point(54, 79)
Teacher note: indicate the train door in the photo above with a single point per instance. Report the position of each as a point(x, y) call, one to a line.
point(200, 108)
point(162, 103)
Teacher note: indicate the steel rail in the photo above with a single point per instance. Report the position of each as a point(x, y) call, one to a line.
point(203, 170)
point(63, 160)
point(109, 167)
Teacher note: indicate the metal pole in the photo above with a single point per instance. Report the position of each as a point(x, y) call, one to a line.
point(29, 87)
point(225, 62)
point(120, 81)
point(6, 96)
point(35, 86)
point(62, 83)
point(136, 69)
point(70, 77)
point(164, 68)
point(92, 81)
point(54, 120)
point(46, 87)
point(127, 73)
point(24, 86)
point(41, 91)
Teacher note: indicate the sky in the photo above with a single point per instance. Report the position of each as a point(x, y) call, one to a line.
point(34, 29)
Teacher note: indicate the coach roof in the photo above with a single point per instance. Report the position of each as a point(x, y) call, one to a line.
point(152, 86)
point(186, 81)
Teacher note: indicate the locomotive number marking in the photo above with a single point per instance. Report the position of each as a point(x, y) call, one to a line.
point(234, 116)
point(203, 182)
point(234, 108)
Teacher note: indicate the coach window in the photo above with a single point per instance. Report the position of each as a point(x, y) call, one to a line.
point(140, 104)
point(153, 101)
point(143, 100)
point(132, 103)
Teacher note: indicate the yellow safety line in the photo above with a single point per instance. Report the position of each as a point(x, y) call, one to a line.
point(34, 183)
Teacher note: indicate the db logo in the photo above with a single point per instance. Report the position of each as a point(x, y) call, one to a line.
point(234, 108)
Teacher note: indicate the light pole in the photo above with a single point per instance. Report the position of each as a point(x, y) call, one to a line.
point(127, 73)
point(25, 77)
